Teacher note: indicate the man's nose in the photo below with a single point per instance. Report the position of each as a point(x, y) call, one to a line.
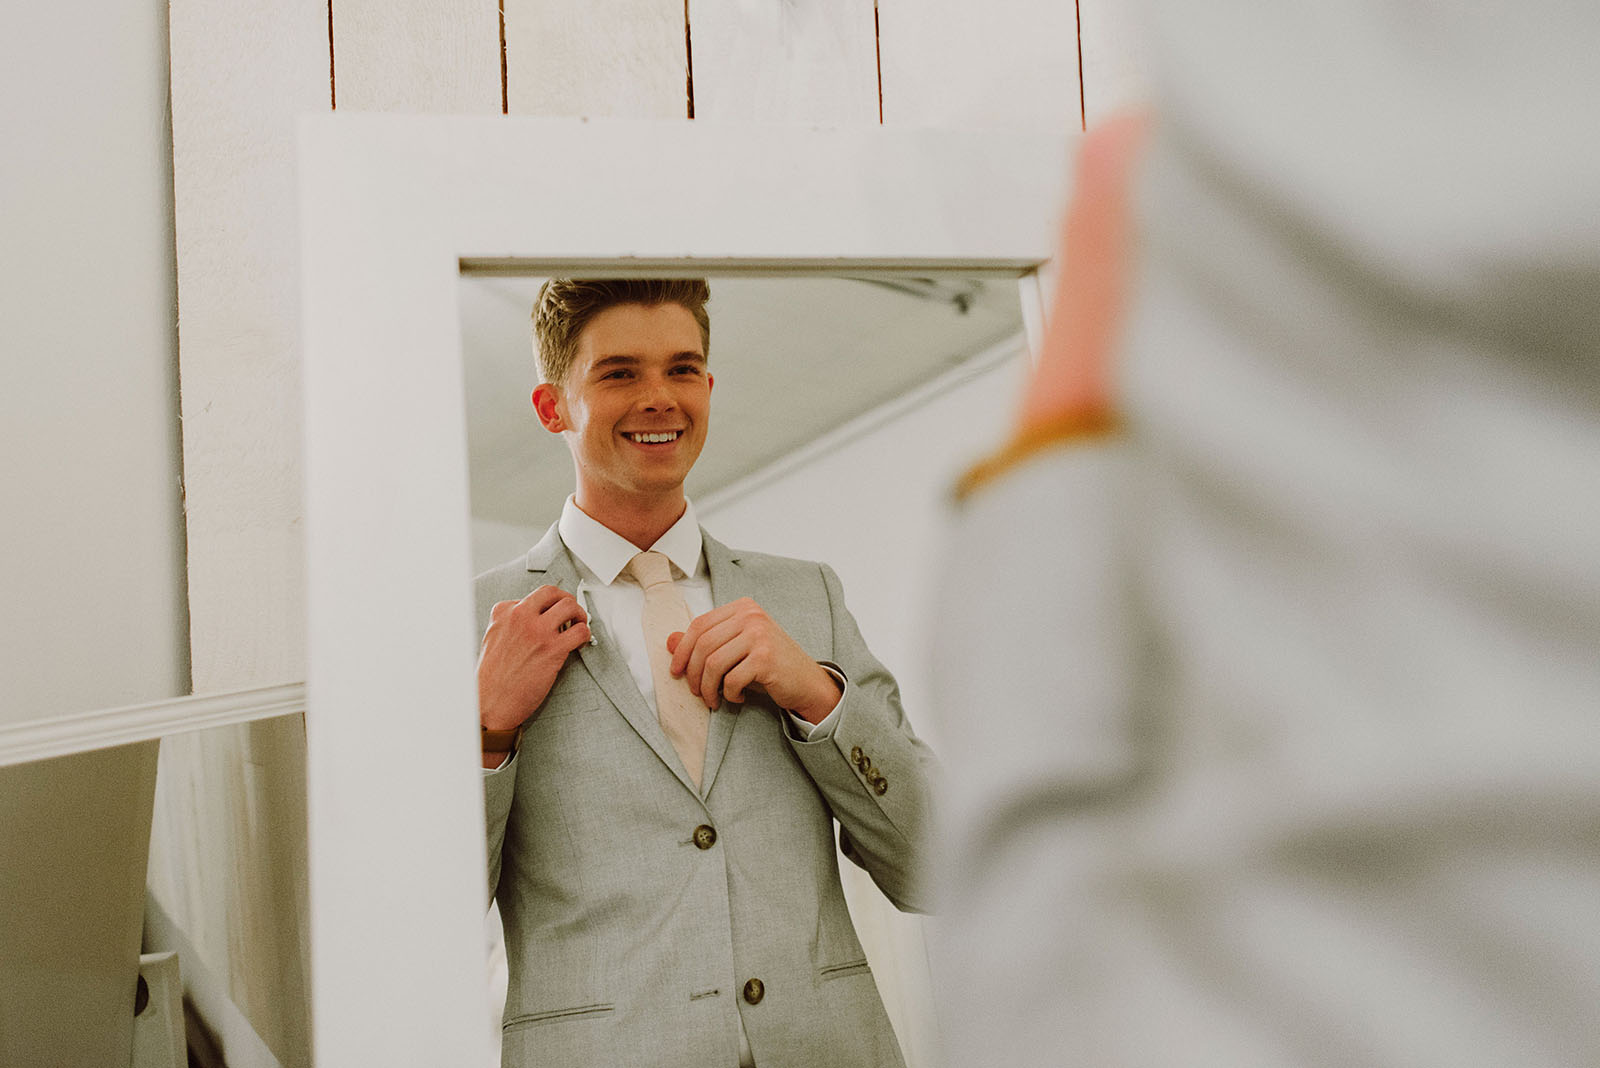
point(654, 395)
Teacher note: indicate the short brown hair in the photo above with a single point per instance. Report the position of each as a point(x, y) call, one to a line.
point(565, 306)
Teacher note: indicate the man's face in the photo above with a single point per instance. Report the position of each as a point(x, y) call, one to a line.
point(635, 405)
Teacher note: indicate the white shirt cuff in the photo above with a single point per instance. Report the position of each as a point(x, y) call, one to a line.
point(816, 732)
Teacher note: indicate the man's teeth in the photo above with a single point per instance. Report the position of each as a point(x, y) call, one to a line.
point(645, 439)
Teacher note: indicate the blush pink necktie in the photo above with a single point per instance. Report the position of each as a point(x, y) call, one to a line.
point(683, 716)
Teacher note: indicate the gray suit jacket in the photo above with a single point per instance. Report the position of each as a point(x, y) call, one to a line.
point(637, 909)
point(1292, 754)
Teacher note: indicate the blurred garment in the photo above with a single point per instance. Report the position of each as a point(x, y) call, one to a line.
point(1275, 723)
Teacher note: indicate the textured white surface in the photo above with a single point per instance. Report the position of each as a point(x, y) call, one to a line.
point(91, 546)
point(227, 857)
point(240, 75)
point(785, 62)
point(622, 59)
point(1111, 34)
point(955, 63)
point(92, 541)
point(439, 56)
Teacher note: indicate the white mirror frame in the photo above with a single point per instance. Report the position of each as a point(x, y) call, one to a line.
point(391, 209)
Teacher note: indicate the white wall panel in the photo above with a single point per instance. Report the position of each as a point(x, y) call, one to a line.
point(241, 73)
point(810, 62)
point(231, 810)
point(959, 63)
point(91, 546)
point(439, 56)
point(91, 550)
point(1113, 56)
point(623, 58)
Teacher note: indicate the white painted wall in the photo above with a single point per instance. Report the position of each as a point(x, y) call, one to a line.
point(91, 549)
point(494, 542)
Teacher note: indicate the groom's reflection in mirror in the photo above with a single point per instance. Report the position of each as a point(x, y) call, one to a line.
point(670, 729)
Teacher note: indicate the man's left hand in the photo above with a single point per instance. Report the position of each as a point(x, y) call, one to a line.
point(737, 647)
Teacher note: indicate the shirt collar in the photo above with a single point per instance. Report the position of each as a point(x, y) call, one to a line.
point(604, 552)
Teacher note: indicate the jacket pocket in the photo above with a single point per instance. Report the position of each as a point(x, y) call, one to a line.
point(577, 1012)
point(839, 971)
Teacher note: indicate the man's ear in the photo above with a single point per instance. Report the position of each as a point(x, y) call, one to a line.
point(709, 381)
point(546, 405)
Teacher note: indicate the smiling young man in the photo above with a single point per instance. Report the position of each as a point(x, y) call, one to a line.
point(671, 729)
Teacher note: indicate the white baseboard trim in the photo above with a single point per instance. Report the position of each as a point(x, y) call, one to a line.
point(80, 732)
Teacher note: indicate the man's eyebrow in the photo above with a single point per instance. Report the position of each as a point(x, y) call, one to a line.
point(625, 360)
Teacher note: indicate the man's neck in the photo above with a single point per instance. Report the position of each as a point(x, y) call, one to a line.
point(641, 522)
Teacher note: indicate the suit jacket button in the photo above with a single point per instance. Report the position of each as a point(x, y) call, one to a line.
point(880, 785)
point(857, 757)
point(705, 837)
point(754, 991)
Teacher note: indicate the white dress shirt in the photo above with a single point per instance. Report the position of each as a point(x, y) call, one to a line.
point(600, 554)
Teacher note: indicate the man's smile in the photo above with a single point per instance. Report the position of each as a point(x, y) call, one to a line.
point(652, 437)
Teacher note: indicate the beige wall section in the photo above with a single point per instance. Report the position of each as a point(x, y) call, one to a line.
point(227, 867)
point(957, 63)
point(227, 860)
point(814, 62)
point(1111, 33)
point(416, 56)
point(241, 72)
point(72, 898)
point(91, 548)
point(624, 58)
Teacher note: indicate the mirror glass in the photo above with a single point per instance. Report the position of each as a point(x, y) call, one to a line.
point(869, 391)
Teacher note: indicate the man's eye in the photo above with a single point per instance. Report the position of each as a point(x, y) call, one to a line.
point(614, 374)
point(686, 369)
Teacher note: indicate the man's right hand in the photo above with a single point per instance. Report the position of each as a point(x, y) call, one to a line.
point(523, 652)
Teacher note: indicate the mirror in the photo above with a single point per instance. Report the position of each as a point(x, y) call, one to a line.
point(822, 380)
point(392, 210)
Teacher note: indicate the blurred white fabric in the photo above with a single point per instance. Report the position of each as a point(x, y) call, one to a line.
point(1274, 728)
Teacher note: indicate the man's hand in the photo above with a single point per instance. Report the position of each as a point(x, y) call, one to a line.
point(1093, 275)
point(738, 647)
point(523, 652)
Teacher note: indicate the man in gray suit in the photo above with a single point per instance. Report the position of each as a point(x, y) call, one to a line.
point(1294, 755)
point(661, 806)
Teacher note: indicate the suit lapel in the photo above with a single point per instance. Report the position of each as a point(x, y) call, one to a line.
point(728, 583)
point(602, 660)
